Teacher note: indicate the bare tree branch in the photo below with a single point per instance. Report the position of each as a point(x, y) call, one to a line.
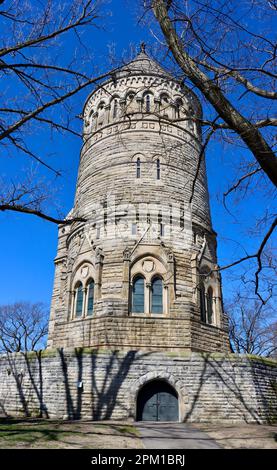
point(27, 210)
point(228, 112)
point(240, 180)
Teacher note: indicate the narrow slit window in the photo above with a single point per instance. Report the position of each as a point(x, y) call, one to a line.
point(105, 218)
point(147, 103)
point(115, 109)
point(178, 105)
point(158, 163)
point(138, 167)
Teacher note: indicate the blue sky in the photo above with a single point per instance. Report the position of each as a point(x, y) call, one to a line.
point(29, 244)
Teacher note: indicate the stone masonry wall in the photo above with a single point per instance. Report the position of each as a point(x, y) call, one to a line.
point(84, 383)
point(147, 333)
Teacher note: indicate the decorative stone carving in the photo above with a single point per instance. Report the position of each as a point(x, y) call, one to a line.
point(170, 256)
point(148, 266)
point(84, 271)
point(99, 256)
point(126, 254)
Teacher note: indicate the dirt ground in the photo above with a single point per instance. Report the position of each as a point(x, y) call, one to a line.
point(242, 436)
point(42, 434)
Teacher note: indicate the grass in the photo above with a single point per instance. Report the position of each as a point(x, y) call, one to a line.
point(129, 430)
point(41, 433)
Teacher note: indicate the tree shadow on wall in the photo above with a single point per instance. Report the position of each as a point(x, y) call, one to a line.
point(107, 373)
point(30, 394)
point(105, 392)
point(37, 384)
point(265, 388)
point(91, 384)
point(229, 375)
point(73, 411)
point(18, 375)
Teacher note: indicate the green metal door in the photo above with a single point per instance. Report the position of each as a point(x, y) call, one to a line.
point(157, 401)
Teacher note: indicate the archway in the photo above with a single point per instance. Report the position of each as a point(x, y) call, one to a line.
point(157, 401)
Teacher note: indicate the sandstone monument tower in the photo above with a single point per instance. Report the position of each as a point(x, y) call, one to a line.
point(137, 328)
point(140, 271)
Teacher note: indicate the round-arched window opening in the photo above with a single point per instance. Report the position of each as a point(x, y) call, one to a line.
point(210, 306)
point(115, 108)
point(157, 295)
point(90, 297)
point(138, 167)
point(147, 103)
point(157, 400)
point(79, 299)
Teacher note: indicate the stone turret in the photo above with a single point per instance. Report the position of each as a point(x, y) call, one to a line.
point(141, 271)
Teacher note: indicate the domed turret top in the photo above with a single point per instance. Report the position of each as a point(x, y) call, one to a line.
point(143, 64)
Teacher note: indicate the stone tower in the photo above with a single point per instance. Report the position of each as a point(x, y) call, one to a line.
point(139, 272)
point(137, 293)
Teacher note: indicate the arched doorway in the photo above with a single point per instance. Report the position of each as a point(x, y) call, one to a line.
point(157, 401)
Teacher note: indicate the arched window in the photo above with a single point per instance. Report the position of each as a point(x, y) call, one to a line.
point(158, 163)
point(210, 306)
point(131, 96)
point(165, 106)
point(79, 298)
point(147, 103)
point(101, 113)
point(202, 302)
point(138, 167)
point(115, 109)
point(90, 297)
point(178, 104)
point(160, 223)
point(130, 102)
point(138, 295)
point(157, 295)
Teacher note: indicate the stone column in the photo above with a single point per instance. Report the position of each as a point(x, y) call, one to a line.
point(194, 276)
point(170, 282)
point(126, 276)
point(99, 259)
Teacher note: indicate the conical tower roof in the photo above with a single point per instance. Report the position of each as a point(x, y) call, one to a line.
point(143, 64)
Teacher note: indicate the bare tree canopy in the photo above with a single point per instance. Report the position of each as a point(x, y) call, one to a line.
point(253, 327)
point(23, 327)
point(39, 73)
point(224, 60)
